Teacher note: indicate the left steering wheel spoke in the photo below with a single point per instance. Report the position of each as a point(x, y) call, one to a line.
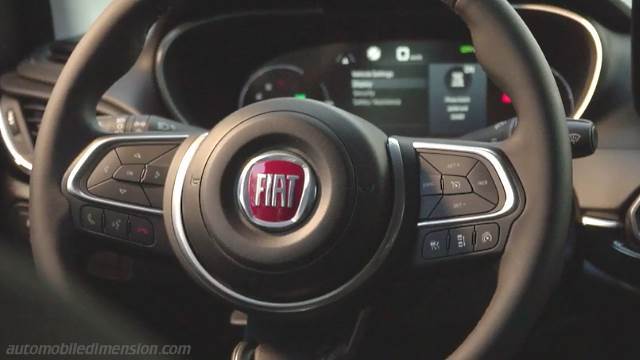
point(116, 186)
point(467, 196)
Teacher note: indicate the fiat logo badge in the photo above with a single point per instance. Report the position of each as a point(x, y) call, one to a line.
point(276, 190)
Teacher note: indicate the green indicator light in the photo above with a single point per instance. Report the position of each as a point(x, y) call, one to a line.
point(467, 49)
point(300, 95)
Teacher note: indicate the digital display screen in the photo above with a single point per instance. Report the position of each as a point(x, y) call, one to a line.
point(416, 88)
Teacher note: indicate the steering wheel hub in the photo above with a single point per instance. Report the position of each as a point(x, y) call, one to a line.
point(280, 200)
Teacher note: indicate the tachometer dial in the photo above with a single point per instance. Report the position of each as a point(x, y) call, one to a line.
point(281, 81)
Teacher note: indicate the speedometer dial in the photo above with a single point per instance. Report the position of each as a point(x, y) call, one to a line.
point(281, 81)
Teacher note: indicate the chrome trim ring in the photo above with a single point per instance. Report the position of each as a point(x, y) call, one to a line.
point(581, 107)
point(625, 250)
point(633, 221)
point(395, 224)
point(593, 221)
point(494, 160)
point(73, 186)
point(307, 198)
point(24, 164)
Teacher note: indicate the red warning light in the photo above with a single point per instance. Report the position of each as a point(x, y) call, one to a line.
point(506, 99)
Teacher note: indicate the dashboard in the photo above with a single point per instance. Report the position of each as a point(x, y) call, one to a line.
point(407, 82)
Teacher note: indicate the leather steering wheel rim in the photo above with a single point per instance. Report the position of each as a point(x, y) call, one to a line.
point(533, 257)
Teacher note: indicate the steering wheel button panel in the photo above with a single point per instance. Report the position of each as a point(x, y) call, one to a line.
point(455, 185)
point(132, 155)
point(460, 205)
point(430, 179)
point(451, 164)
point(461, 240)
point(121, 191)
point(435, 244)
point(129, 173)
point(483, 183)
point(105, 169)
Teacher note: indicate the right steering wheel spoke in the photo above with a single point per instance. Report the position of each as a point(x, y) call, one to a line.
point(468, 199)
point(116, 187)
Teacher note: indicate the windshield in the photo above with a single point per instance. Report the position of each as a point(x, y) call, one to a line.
point(73, 17)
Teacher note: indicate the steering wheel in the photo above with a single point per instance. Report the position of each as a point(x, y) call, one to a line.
point(293, 209)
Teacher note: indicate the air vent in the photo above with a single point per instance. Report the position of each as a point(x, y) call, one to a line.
point(59, 51)
point(33, 111)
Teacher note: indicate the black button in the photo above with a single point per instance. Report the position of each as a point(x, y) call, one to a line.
point(455, 184)
point(91, 218)
point(139, 124)
point(458, 205)
point(427, 204)
point(160, 124)
point(130, 173)
point(430, 179)
point(115, 224)
point(121, 191)
point(487, 236)
point(435, 244)
point(105, 169)
point(451, 164)
point(141, 230)
point(461, 241)
point(113, 125)
point(141, 154)
point(155, 175)
point(482, 183)
point(155, 194)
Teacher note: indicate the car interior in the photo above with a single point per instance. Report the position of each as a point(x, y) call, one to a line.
point(320, 179)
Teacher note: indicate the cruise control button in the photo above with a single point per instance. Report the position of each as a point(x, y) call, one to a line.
point(487, 236)
point(141, 231)
point(165, 160)
point(430, 179)
point(130, 173)
point(482, 183)
point(451, 164)
point(105, 169)
point(115, 224)
point(155, 175)
point(459, 205)
point(91, 218)
point(155, 195)
point(461, 241)
point(427, 204)
point(455, 184)
point(435, 244)
point(141, 154)
point(121, 191)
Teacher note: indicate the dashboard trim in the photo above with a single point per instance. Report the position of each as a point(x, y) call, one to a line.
point(593, 221)
point(24, 164)
point(597, 43)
